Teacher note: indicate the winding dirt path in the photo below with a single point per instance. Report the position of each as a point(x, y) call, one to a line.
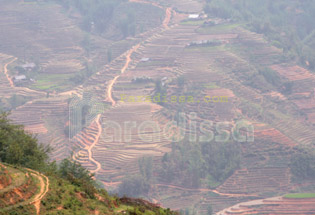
point(168, 16)
point(69, 93)
point(44, 187)
point(6, 71)
point(237, 207)
point(99, 126)
point(36, 200)
point(111, 84)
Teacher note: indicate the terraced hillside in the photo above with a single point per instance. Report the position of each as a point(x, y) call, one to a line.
point(64, 58)
point(216, 69)
point(276, 205)
point(174, 56)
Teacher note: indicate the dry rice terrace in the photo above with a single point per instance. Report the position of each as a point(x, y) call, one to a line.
point(281, 121)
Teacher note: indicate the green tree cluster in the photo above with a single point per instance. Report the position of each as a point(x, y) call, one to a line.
point(303, 163)
point(189, 163)
point(288, 25)
point(20, 148)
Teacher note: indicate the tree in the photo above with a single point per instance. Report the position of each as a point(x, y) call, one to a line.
point(146, 167)
point(134, 185)
point(109, 55)
point(20, 148)
point(209, 210)
point(78, 175)
point(17, 100)
point(303, 163)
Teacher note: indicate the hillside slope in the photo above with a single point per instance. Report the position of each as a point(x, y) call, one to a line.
point(25, 191)
point(67, 187)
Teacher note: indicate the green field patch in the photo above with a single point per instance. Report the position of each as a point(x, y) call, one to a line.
point(299, 195)
point(192, 22)
point(204, 48)
point(134, 85)
point(155, 63)
point(51, 82)
point(224, 28)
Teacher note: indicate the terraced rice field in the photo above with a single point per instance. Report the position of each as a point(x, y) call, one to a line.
point(276, 205)
point(257, 180)
point(111, 151)
point(47, 119)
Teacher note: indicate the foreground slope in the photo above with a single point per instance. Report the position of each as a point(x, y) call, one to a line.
point(25, 191)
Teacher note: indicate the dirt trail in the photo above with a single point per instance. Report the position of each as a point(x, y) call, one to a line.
point(99, 126)
point(111, 84)
point(168, 16)
point(249, 203)
point(44, 187)
point(69, 93)
point(6, 71)
point(204, 190)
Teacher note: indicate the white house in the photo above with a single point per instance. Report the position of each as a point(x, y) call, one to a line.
point(18, 78)
point(193, 16)
point(29, 65)
point(145, 59)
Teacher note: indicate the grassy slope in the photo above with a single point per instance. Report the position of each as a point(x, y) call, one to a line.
point(66, 198)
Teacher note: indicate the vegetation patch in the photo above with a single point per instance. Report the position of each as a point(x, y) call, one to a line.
point(300, 195)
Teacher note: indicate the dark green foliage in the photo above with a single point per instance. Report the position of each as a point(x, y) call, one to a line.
point(84, 74)
point(189, 163)
point(98, 15)
point(135, 185)
point(127, 25)
point(109, 55)
point(78, 175)
point(146, 167)
point(18, 147)
point(75, 169)
point(159, 91)
point(288, 25)
point(303, 163)
point(209, 210)
point(17, 100)
point(85, 111)
point(270, 76)
point(221, 159)
point(287, 88)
